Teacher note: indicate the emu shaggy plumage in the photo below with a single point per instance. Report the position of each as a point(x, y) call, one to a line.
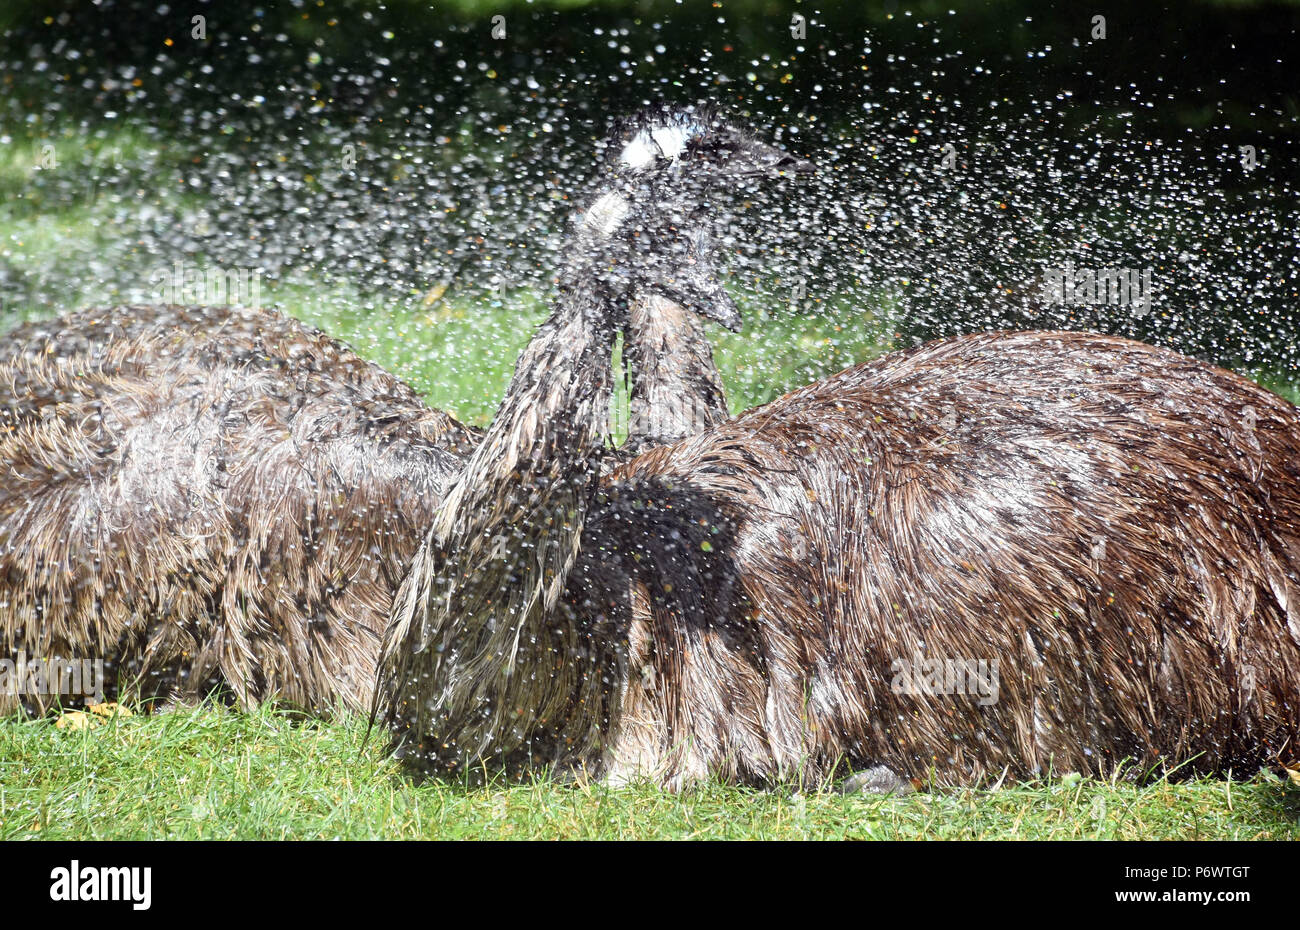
point(217, 496)
point(1113, 526)
point(206, 496)
point(481, 667)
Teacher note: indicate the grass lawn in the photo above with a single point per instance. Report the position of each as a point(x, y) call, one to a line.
point(217, 774)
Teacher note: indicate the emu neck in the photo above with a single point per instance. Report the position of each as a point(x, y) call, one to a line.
point(474, 668)
point(676, 389)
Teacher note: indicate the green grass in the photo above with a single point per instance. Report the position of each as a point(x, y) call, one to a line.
point(213, 773)
point(459, 355)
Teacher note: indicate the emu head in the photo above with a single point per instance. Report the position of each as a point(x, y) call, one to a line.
point(655, 223)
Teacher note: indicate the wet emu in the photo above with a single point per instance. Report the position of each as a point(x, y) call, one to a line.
point(227, 497)
point(487, 659)
point(1000, 553)
point(1004, 552)
point(209, 496)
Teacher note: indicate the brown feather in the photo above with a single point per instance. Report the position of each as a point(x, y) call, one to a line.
point(216, 496)
point(206, 496)
point(1099, 517)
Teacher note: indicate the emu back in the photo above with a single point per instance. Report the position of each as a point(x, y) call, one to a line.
point(208, 496)
point(1114, 528)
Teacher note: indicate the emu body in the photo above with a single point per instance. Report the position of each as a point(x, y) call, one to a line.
point(481, 665)
point(205, 496)
point(225, 497)
point(1114, 527)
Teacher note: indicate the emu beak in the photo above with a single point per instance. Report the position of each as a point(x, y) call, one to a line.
point(722, 309)
point(704, 295)
point(788, 164)
point(759, 159)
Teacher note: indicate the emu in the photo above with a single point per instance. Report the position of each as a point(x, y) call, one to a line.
point(218, 496)
point(207, 497)
point(484, 657)
point(1113, 527)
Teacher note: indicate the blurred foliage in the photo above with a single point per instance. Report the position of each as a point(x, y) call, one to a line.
point(471, 149)
point(1248, 82)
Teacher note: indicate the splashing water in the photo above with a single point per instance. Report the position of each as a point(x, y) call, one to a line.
point(405, 179)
